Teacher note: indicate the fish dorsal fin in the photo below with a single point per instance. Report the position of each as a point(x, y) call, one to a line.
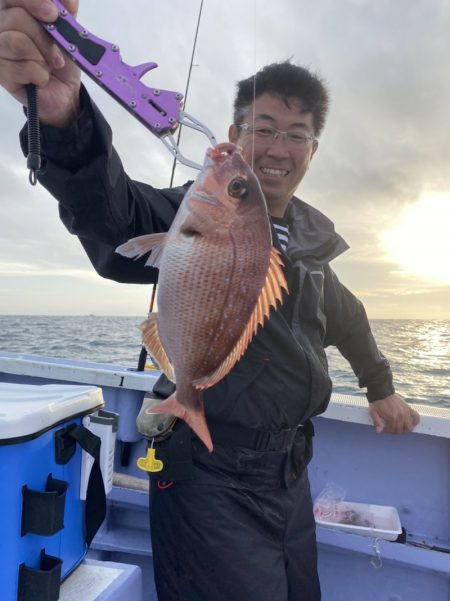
point(140, 246)
point(271, 293)
point(152, 342)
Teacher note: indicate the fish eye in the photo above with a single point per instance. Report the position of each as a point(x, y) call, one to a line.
point(238, 187)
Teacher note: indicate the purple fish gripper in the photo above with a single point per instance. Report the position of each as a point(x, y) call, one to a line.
point(159, 110)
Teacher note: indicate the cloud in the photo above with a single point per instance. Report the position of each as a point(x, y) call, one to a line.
point(386, 141)
point(12, 269)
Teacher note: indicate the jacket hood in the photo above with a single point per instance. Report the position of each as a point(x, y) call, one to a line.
point(312, 234)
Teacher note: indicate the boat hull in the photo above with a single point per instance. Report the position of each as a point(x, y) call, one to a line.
point(410, 473)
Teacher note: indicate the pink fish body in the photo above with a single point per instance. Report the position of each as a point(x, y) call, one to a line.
point(219, 276)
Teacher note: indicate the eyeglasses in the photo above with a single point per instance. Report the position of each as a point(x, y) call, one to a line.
point(266, 134)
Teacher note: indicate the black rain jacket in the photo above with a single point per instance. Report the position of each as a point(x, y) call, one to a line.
point(282, 380)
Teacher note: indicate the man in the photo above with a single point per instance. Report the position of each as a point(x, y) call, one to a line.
point(237, 524)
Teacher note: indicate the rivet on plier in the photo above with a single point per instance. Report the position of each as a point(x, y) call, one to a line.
point(168, 108)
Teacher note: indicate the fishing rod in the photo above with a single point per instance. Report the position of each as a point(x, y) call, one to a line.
point(143, 354)
point(174, 165)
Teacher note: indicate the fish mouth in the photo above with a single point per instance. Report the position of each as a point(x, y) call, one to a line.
point(221, 152)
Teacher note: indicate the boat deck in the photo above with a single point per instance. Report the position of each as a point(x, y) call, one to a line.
point(410, 473)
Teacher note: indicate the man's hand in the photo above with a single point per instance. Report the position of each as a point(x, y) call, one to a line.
point(393, 415)
point(29, 55)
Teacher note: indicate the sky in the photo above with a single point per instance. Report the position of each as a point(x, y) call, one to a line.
point(381, 172)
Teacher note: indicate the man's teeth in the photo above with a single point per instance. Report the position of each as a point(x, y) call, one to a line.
point(275, 172)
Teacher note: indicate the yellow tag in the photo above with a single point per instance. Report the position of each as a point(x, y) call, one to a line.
point(150, 463)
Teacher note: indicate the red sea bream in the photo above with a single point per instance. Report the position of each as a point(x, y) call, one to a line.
point(219, 276)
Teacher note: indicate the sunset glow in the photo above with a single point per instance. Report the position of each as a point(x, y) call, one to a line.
point(419, 240)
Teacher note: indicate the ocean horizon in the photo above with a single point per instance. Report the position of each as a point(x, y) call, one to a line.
point(418, 349)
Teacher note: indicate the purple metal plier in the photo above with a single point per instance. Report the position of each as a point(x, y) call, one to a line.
point(159, 110)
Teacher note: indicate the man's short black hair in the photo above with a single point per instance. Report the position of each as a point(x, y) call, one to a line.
point(286, 81)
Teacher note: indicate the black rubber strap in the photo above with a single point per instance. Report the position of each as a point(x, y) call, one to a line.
point(95, 495)
point(65, 441)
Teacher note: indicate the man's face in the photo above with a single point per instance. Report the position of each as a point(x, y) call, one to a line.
point(279, 164)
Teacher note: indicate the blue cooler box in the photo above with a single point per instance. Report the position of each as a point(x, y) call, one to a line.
point(42, 518)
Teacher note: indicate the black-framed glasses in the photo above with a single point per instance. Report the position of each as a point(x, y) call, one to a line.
point(266, 134)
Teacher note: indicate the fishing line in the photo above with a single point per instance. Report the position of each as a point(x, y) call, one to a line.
point(187, 88)
point(254, 82)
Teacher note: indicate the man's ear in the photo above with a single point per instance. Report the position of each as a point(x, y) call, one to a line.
point(314, 148)
point(233, 134)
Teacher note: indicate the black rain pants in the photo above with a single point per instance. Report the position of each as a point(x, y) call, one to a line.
point(227, 536)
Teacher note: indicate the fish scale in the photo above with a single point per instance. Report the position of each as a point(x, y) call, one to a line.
point(219, 278)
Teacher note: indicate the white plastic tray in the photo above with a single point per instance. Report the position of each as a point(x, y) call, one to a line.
point(376, 521)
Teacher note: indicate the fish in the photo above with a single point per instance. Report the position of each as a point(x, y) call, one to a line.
point(219, 277)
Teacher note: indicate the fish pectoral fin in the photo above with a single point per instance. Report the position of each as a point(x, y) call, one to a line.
point(140, 246)
point(195, 418)
point(271, 293)
point(152, 342)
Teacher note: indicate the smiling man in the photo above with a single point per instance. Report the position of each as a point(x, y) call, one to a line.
point(236, 524)
point(277, 137)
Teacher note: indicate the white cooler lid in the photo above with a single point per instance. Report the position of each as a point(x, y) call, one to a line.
point(27, 409)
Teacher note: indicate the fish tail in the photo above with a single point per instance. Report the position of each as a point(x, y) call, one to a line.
point(195, 418)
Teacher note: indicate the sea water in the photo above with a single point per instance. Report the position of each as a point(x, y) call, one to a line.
point(418, 350)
